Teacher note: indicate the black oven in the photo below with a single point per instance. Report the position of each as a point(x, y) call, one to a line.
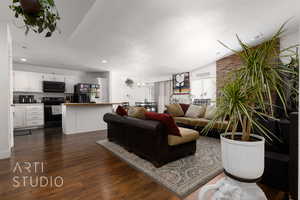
point(52, 119)
point(53, 86)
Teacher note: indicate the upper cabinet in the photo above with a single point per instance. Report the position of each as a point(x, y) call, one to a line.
point(27, 81)
point(33, 81)
point(70, 82)
point(54, 77)
point(20, 81)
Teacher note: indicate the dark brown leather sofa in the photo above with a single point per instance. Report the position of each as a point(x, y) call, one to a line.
point(146, 138)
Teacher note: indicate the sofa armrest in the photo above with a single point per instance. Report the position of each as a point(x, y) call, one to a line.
point(112, 117)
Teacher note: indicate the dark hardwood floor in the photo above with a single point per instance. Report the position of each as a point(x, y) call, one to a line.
point(89, 171)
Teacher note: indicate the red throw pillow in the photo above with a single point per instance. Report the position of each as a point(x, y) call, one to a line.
point(166, 119)
point(121, 111)
point(184, 107)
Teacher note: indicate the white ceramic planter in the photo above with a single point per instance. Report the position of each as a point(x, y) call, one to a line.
point(243, 159)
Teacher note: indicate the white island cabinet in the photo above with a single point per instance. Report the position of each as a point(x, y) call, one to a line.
point(84, 117)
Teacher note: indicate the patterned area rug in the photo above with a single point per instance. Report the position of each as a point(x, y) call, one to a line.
point(183, 176)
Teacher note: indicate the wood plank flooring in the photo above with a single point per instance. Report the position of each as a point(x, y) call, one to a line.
point(89, 171)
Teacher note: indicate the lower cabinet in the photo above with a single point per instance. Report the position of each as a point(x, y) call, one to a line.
point(19, 116)
point(28, 116)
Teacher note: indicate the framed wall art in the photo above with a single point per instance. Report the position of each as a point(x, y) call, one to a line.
point(181, 83)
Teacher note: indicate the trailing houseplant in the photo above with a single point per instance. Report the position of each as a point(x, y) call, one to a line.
point(244, 102)
point(37, 15)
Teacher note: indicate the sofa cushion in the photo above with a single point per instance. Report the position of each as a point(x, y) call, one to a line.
point(210, 112)
point(187, 135)
point(165, 119)
point(200, 122)
point(175, 110)
point(137, 112)
point(195, 111)
point(182, 120)
point(184, 107)
point(221, 125)
point(121, 111)
point(192, 121)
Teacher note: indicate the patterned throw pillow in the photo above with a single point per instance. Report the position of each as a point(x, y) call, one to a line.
point(137, 112)
point(184, 107)
point(195, 111)
point(175, 110)
point(210, 112)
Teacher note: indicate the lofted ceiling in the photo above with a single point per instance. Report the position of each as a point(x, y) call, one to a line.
point(148, 37)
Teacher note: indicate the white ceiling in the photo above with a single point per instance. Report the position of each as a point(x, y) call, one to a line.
point(148, 37)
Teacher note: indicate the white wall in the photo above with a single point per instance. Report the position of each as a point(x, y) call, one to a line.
point(203, 82)
point(120, 92)
point(5, 88)
point(287, 41)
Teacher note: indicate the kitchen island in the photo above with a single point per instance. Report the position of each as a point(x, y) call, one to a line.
point(84, 117)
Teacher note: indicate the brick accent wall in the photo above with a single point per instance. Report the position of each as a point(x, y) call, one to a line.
point(224, 67)
point(228, 64)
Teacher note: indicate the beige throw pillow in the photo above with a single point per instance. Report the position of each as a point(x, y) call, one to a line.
point(210, 112)
point(137, 112)
point(195, 111)
point(175, 110)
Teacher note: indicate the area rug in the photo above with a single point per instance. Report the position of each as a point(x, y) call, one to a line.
point(183, 176)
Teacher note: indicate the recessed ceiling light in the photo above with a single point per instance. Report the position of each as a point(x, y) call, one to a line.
point(104, 61)
point(23, 59)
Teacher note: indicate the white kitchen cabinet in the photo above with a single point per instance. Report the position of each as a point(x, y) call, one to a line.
point(70, 82)
point(54, 77)
point(27, 81)
point(28, 116)
point(103, 83)
point(35, 82)
point(19, 116)
point(20, 81)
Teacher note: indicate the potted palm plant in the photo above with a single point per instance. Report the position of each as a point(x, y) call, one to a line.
point(246, 101)
point(37, 15)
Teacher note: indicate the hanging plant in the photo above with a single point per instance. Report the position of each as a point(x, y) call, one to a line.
point(38, 15)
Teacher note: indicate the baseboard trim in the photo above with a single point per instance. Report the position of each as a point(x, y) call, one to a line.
point(5, 154)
